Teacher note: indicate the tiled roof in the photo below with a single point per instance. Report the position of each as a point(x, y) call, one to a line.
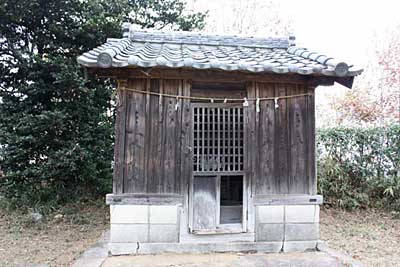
point(140, 48)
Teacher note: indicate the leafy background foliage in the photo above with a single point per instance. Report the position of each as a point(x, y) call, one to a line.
point(56, 127)
point(360, 167)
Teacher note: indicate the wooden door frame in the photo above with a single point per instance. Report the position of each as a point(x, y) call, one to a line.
point(246, 193)
point(220, 227)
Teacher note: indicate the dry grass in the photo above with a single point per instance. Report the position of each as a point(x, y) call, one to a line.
point(369, 236)
point(55, 243)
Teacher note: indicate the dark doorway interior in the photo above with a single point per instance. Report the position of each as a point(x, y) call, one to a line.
point(231, 202)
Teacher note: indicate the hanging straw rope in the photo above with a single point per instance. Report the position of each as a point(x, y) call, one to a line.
point(223, 100)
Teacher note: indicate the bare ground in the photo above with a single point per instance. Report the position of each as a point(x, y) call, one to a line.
point(370, 236)
point(52, 242)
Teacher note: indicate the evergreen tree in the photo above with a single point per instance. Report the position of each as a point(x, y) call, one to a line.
point(56, 128)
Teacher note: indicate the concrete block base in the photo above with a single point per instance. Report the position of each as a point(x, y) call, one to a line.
point(157, 248)
point(144, 223)
point(299, 246)
point(288, 223)
point(153, 229)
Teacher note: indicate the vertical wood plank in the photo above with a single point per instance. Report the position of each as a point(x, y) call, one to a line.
point(311, 159)
point(202, 139)
point(186, 152)
point(205, 203)
point(140, 134)
point(218, 123)
point(233, 139)
point(229, 131)
point(119, 146)
point(224, 152)
point(267, 181)
point(161, 138)
point(153, 137)
point(147, 131)
point(134, 144)
point(281, 144)
point(251, 139)
point(207, 139)
point(129, 142)
point(170, 128)
point(298, 182)
point(212, 137)
point(178, 138)
point(198, 162)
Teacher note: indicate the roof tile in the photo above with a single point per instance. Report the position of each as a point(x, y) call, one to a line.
point(230, 53)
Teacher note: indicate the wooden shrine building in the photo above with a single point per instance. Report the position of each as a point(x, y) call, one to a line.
point(215, 141)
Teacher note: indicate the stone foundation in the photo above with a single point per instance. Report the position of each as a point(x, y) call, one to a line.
point(147, 229)
point(296, 226)
point(144, 224)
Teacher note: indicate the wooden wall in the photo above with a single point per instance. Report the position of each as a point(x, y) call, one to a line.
point(150, 154)
point(281, 146)
point(152, 138)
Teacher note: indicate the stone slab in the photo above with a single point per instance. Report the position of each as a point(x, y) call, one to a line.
point(163, 214)
point(299, 246)
point(307, 259)
point(129, 214)
point(242, 237)
point(270, 214)
point(316, 214)
point(129, 233)
point(288, 200)
point(157, 248)
point(270, 232)
point(302, 231)
point(300, 213)
point(163, 233)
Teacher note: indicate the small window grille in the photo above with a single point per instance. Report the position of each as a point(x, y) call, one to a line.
point(217, 138)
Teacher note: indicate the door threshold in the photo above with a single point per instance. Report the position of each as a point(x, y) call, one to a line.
point(228, 228)
point(218, 232)
point(219, 237)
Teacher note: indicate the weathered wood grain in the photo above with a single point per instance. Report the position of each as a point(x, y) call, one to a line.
point(153, 139)
point(311, 157)
point(170, 144)
point(205, 206)
point(147, 136)
point(185, 139)
point(134, 139)
point(281, 141)
point(218, 92)
point(153, 160)
point(251, 140)
point(119, 146)
point(161, 138)
point(298, 178)
point(267, 181)
point(213, 76)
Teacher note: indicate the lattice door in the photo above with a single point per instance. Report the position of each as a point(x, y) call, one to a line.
point(217, 138)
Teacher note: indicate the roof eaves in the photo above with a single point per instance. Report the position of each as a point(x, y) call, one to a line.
point(334, 67)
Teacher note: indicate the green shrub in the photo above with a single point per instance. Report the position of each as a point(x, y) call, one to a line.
point(359, 167)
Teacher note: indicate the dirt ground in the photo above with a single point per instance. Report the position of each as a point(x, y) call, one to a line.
point(55, 242)
point(372, 237)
